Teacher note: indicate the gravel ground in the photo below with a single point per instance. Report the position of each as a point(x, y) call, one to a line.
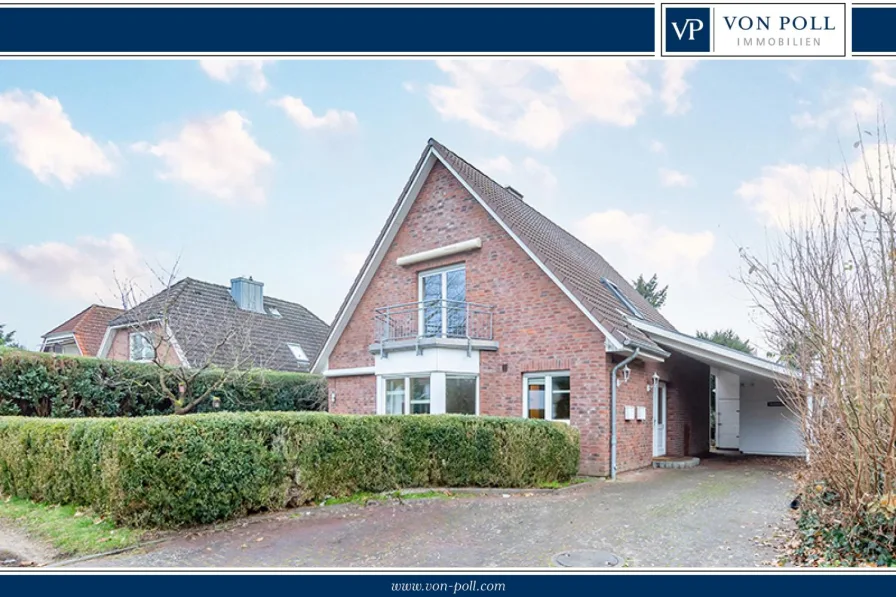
point(722, 513)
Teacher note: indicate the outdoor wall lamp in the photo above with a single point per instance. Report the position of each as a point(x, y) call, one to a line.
point(656, 382)
point(333, 396)
point(626, 374)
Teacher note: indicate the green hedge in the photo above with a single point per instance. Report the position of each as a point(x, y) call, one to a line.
point(174, 471)
point(45, 385)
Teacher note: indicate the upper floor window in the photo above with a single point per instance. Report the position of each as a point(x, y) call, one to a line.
point(443, 295)
point(622, 298)
point(141, 346)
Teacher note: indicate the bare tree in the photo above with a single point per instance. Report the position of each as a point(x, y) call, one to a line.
point(827, 291)
point(185, 338)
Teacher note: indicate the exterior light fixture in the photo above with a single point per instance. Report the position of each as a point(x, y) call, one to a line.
point(626, 374)
point(656, 380)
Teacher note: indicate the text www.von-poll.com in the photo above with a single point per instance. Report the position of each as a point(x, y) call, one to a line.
point(470, 586)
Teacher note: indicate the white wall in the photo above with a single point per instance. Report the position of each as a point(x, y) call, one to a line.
point(769, 430)
point(401, 362)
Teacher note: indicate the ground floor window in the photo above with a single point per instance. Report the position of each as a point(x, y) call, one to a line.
point(431, 393)
point(460, 394)
point(546, 396)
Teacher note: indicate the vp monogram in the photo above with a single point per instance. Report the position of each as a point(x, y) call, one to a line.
point(690, 27)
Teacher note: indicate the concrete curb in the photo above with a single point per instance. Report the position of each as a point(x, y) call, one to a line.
point(492, 490)
point(104, 554)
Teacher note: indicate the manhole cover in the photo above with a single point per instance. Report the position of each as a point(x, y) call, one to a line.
point(587, 558)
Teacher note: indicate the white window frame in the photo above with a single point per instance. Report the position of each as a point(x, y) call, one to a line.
point(548, 393)
point(462, 376)
point(147, 337)
point(407, 390)
point(443, 272)
point(438, 398)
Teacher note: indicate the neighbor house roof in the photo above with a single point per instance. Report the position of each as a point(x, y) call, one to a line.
point(580, 271)
point(209, 327)
point(87, 328)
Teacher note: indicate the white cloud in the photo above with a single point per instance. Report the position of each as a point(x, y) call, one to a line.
point(251, 72)
point(883, 72)
point(787, 193)
point(842, 111)
point(674, 178)
point(217, 156)
point(636, 243)
point(534, 179)
point(790, 193)
point(497, 165)
point(657, 146)
point(45, 142)
point(85, 269)
point(673, 92)
point(536, 102)
point(540, 172)
point(304, 118)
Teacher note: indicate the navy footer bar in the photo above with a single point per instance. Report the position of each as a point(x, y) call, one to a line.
point(328, 30)
point(460, 584)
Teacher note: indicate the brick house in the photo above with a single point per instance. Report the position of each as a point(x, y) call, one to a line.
point(472, 302)
point(82, 334)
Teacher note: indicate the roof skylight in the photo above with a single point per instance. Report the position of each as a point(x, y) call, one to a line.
point(622, 298)
point(297, 352)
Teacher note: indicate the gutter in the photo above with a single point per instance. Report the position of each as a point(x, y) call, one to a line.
point(625, 362)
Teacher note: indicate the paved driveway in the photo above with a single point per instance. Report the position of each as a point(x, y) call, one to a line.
point(717, 514)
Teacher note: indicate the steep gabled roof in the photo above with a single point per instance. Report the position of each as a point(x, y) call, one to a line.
point(577, 268)
point(87, 327)
point(210, 328)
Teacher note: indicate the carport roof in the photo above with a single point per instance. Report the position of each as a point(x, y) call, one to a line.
point(712, 354)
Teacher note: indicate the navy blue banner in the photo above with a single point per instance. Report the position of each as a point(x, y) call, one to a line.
point(455, 585)
point(331, 30)
point(873, 29)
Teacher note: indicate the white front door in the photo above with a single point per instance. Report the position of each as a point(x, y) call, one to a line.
point(659, 419)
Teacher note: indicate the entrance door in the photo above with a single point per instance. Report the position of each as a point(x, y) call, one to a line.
point(659, 419)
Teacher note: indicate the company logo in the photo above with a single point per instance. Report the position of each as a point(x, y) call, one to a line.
point(755, 29)
point(687, 29)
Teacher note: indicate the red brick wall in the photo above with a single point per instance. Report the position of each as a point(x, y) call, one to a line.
point(537, 327)
point(120, 348)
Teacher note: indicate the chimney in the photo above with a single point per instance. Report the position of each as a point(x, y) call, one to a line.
point(248, 294)
point(514, 192)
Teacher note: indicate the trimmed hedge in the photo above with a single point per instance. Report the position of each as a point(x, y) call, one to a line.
point(175, 471)
point(46, 385)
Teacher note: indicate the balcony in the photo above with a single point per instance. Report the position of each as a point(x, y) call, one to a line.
point(434, 323)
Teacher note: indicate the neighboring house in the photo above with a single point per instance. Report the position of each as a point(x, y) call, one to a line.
point(473, 302)
point(196, 324)
point(82, 334)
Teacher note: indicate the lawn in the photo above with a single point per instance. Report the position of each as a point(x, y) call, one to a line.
point(72, 531)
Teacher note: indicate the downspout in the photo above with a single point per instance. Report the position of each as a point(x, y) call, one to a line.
point(625, 362)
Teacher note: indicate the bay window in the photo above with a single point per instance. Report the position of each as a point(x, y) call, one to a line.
point(429, 393)
point(546, 396)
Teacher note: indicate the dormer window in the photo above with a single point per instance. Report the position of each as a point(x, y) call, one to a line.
point(622, 298)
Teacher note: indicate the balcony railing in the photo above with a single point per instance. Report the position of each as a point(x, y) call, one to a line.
point(433, 319)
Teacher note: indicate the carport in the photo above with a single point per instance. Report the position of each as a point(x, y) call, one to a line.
point(751, 415)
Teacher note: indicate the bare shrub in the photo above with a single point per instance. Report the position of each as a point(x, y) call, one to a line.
point(827, 290)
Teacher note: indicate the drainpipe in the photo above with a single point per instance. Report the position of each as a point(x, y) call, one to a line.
point(627, 360)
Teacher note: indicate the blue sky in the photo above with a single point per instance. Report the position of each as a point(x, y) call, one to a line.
point(286, 170)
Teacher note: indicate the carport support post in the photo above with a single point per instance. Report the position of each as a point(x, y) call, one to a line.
point(625, 362)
